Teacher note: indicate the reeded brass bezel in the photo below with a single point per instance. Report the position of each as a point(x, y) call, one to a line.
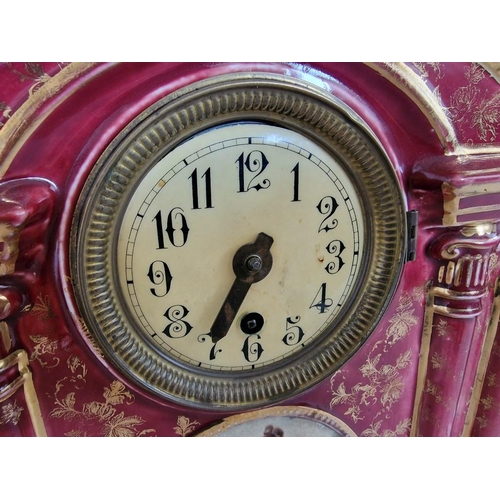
point(283, 101)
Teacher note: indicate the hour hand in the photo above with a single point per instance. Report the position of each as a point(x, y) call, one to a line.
point(251, 263)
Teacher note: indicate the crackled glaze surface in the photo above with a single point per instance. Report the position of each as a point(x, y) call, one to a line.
point(431, 366)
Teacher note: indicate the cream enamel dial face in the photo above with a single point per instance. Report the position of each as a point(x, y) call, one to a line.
point(236, 243)
point(201, 203)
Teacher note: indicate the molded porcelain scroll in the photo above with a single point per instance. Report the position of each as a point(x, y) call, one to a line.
point(26, 210)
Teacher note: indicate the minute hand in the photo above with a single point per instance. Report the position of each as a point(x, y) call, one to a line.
point(251, 263)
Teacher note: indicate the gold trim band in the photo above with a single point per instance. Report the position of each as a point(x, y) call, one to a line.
point(423, 360)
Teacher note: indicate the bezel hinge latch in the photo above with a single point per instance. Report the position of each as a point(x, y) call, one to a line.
point(412, 224)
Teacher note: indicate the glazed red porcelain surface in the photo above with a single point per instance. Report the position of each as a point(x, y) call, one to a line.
point(431, 366)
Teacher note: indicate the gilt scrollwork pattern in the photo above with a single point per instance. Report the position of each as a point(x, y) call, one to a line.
point(43, 307)
point(43, 345)
point(185, 426)
point(31, 72)
point(110, 415)
point(106, 414)
point(383, 381)
point(20, 81)
point(10, 413)
point(80, 403)
point(473, 105)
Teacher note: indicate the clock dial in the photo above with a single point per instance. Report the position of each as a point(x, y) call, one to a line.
point(211, 196)
point(237, 242)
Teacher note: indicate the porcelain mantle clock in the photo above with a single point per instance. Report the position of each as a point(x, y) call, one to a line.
point(249, 249)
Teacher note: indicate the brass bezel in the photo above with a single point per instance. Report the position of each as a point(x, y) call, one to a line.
point(281, 100)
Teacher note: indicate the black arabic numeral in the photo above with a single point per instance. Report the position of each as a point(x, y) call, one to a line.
point(176, 215)
point(327, 206)
point(208, 189)
point(323, 302)
point(252, 350)
point(295, 171)
point(177, 328)
point(335, 247)
point(252, 165)
point(177, 229)
point(159, 274)
point(294, 332)
point(159, 231)
point(213, 352)
point(205, 337)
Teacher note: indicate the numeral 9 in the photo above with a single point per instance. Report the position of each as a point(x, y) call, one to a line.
point(159, 274)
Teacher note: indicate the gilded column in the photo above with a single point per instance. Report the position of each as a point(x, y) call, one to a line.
point(461, 231)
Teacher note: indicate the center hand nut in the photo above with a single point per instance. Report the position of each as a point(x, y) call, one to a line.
point(254, 263)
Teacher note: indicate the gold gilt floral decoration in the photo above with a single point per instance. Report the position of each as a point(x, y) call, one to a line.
point(381, 382)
